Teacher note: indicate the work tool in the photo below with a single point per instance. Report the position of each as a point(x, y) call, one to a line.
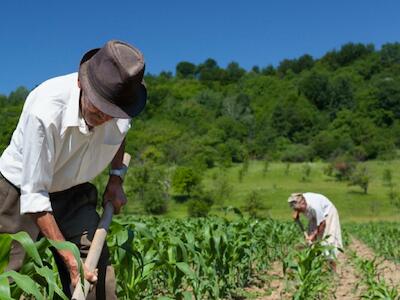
point(96, 246)
point(298, 222)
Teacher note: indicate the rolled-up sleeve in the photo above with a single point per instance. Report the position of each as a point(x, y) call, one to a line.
point(38, 166)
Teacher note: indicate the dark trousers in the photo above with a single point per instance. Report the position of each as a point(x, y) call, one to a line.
point(75, 213)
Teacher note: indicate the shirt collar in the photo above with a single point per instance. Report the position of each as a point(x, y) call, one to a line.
point(71, 117)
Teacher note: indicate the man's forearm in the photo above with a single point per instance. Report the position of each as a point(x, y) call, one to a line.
point(313, 235)
point(48, 225)
point(321, 228)
point(116, 162)
point(49, 228)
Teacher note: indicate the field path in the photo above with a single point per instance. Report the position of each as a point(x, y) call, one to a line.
point(347, 281)
point(277, 284)
point(387, 269)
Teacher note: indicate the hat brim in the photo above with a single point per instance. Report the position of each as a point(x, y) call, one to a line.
point(295, 197)
point(126, 112)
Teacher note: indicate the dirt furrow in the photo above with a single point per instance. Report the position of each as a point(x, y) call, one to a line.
point(346, 281)
point(277, 284)
point(387, 269)
point(346, 285)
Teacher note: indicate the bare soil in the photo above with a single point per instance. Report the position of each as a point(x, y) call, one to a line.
point(347, 282)
point(387, 270)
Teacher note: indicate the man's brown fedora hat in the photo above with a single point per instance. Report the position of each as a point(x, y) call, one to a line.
point(112, 79)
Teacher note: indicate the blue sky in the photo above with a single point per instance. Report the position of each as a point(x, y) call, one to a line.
point(43, 39)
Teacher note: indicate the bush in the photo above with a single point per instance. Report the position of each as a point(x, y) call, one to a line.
point(184, 180)
point(147, 184)
point(360, 178)
point(199, 204)
point(305, 172)
point(297, 153)
point(341, 168)
point(155, 201)
point(221, 188)
point(254, 204)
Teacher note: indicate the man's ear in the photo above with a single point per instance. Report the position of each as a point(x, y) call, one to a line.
point(79, 83)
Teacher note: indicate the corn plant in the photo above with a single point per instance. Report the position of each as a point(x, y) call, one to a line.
point(38, 277)
point(204, 258)
point(382, 237)
point(307, 269)
point(376, 287)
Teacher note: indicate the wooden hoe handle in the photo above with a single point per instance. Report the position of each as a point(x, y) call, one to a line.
point(97, 244)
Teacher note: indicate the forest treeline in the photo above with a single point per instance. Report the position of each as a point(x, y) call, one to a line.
point(346, 103)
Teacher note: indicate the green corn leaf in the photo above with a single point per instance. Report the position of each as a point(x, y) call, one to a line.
point(49, 275)
point(184, 267)
point(4, 288)
point(25, 240)
point(187, 296)
point(64, 245)
point(5, 248)
point(25, 283)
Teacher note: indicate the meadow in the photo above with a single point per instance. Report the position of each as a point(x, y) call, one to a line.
point(281, 179)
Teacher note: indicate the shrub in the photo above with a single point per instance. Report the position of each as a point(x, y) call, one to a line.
point(361, 178)
point(297, 153)
point(306, 172)
point(155, 201)
point(199, 204)
point(341, 168)
point(184, 180)
point(254, 204)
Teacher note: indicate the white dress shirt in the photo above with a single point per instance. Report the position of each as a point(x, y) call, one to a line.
point(318, 207)
point(52, 148)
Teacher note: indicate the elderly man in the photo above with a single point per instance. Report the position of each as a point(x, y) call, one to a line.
point(323, 219)
point(70, 129)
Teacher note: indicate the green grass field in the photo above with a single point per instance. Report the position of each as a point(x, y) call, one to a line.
point(276, 184)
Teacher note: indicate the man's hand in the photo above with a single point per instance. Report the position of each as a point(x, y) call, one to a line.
point(309, 239)
point(312, 237)
point(73, 268)
point(115, 193)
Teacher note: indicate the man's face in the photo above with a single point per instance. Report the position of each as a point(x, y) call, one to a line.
point(92, 115)
point(301, 206)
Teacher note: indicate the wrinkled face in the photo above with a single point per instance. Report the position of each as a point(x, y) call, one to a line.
point(93, 116)
point(301, 205)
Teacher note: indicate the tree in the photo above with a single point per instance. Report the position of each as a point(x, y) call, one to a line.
point(256, 69)
point(305, 62)
point(342, 168)
point(18, 96)
point(341, 94)
point(221, 188)
point(254, 204)
point(347, 54)
point(295, 119)
point(388, 94)
point(200, 203)
point(184, 180)
point(286, 65)
point(360, 178)
point(316, 88)
point(209, 71)
point(268, 70)
point(390, 54)
point(233, 73)
point(185, 69)
point(147, 183)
